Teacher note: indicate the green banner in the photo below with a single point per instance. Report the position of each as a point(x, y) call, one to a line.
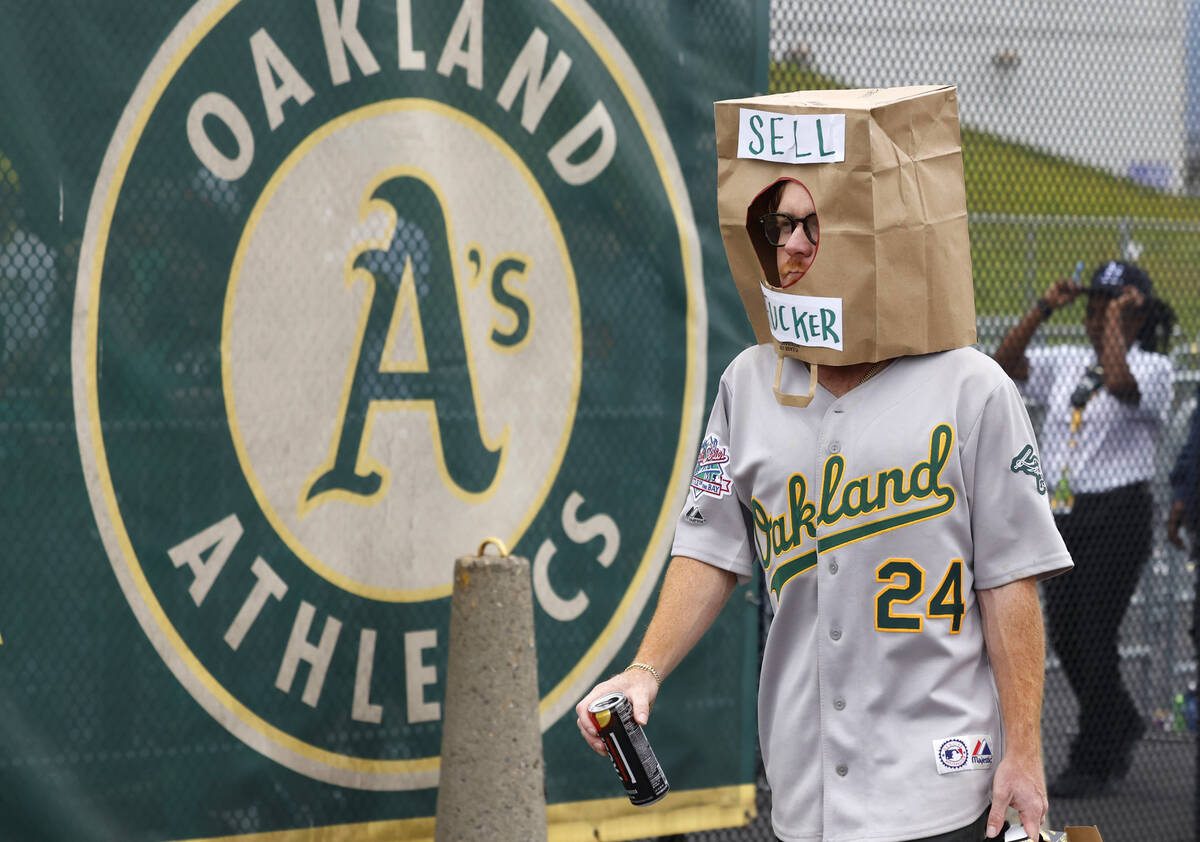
point(302, 301)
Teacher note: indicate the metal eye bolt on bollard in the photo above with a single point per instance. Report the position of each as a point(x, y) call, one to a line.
point(492, 781)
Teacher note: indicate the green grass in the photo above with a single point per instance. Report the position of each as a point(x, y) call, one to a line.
point(1013, 262)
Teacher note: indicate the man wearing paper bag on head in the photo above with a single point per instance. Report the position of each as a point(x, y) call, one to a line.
point(881, 475)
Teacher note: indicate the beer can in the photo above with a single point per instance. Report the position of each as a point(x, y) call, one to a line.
point(632, 757)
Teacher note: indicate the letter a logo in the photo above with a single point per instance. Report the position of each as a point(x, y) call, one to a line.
point(418, 265)
point(378, 361)
point(1026, 462)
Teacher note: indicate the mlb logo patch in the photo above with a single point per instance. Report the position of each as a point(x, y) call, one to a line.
point(963, 753)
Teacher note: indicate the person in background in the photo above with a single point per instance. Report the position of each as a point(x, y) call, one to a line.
point(1106, 404)
point(1185, 514)
point(1185, 489)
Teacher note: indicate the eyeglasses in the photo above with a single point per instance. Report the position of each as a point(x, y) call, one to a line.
point(778, 227)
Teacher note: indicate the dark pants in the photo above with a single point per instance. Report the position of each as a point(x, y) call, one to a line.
point(1108, 536)
point(1195, 537)
point(974, 832)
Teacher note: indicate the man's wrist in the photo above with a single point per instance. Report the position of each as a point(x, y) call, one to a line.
point(644, 667)
point(1045, 308)
point(1024, 749)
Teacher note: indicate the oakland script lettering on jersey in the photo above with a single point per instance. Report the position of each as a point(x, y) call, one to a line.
point(848, 499)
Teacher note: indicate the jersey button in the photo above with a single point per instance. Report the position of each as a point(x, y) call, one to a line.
point(835, 447)
point(836, 634)
point(839, 704)
point(843, 770)
point(833, 567)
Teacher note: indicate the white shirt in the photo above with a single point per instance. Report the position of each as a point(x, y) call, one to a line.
point(1116, 444)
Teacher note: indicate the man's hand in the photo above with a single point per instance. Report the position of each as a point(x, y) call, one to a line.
point(1131, 298)
point(640, 688)
point(1125, 305)
point(1012, 632)
point(691, 597)
point(1021, 784)
point(1174, 521)
point(1062, 292)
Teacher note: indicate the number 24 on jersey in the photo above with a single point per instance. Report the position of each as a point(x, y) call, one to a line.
point(906, 585)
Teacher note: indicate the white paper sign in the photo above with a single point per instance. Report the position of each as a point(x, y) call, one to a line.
point(805, 319)
point(791, 138)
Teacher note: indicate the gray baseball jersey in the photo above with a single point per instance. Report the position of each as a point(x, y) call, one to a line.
point(874, 518)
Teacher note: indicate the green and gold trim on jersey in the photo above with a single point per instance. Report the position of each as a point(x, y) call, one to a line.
point(842, 499)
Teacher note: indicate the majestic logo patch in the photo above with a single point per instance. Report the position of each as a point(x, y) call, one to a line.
point(962, 753)
point(709, 478)
point(981, 755)
point(353, 280)
point(1026, 462)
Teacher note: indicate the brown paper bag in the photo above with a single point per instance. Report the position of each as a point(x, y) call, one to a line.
point(892, 273)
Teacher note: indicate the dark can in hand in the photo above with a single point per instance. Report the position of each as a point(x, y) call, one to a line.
point(632, 757)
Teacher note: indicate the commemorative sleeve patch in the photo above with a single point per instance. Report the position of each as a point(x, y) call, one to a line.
point(710, 477)
point(964, 753)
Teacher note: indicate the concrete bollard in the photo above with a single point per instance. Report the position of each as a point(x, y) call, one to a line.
point(492, 781)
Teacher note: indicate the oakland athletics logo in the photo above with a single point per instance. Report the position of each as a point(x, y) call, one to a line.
point(358, 289)
point(1026, 462)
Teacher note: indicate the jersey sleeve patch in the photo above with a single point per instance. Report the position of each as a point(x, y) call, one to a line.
point(694, 515)
point(1026, 462)
point(710, 478)
point(964, 753)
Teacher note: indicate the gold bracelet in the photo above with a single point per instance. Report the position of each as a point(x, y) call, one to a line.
point(638, 665)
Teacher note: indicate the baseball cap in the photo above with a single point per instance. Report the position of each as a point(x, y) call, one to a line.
point(1115, 275)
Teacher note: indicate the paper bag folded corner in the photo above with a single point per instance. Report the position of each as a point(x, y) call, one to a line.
point(883, 167)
